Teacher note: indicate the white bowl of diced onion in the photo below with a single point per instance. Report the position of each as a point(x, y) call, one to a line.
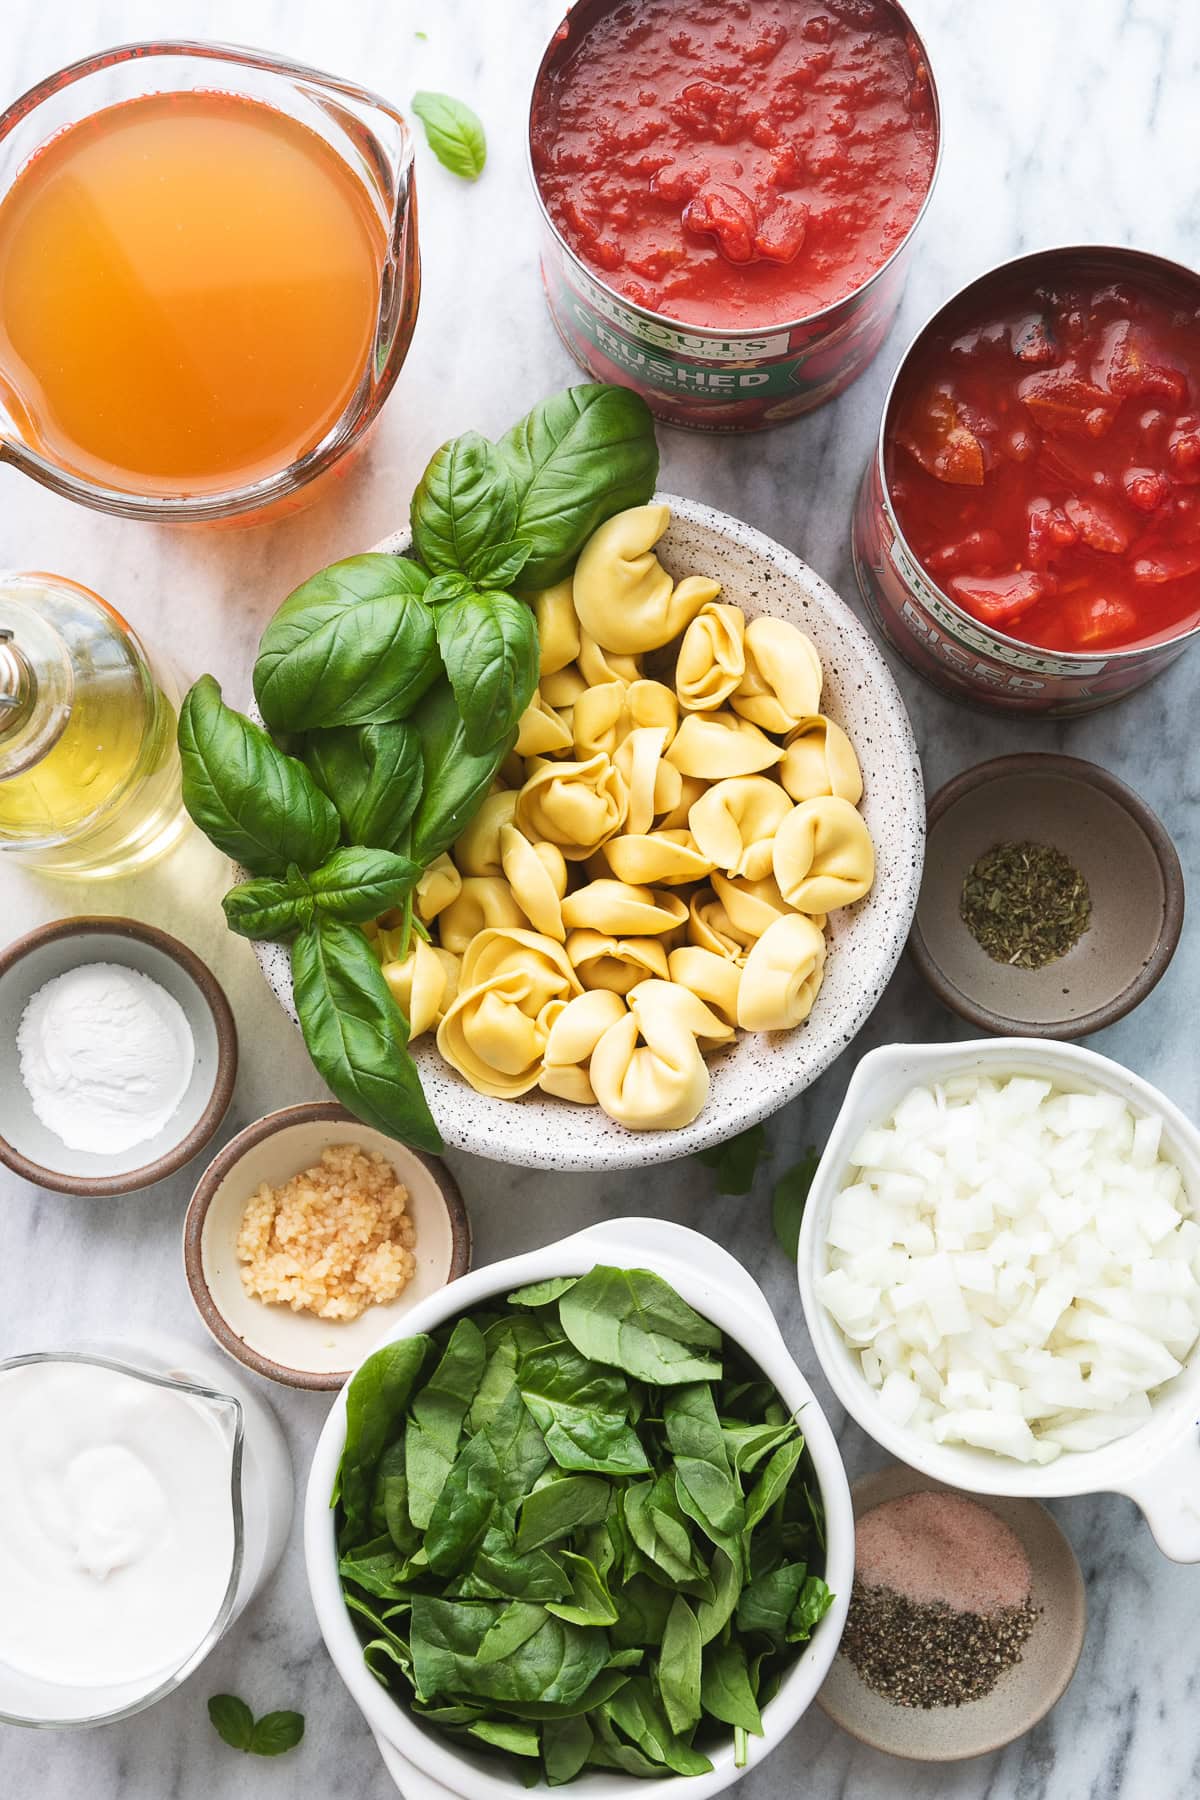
point(1000, 1268)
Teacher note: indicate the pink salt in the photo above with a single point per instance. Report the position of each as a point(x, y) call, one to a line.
point(934, 1547)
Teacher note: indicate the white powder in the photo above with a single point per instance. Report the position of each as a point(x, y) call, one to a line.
point(106, 1055)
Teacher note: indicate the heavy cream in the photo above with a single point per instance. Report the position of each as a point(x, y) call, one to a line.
point(116, 1524)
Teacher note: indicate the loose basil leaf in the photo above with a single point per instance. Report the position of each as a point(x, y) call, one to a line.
point(489, 645)
point(465, 502)
point(633, 1319)
point(788, 1201)
point(736, 1160)
point(448, 586)
point(354, 645)
point(455, 133)
point(232, 1719)
point(499, 566)
point(356, 1034)
point(455, 778)
point(679, 1668)
point(725, 1688)
point(372, 773)
point(577, 458)
point(259, 806)
point(269, 909)
point(357, 884)
point(276, 1732)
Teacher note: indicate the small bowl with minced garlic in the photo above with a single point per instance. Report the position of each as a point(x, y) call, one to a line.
point(310, 1234)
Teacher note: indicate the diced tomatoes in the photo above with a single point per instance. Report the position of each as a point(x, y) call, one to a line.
point(1124, 365)
point(1098, 619)
point(1099, 525)
point(1145, 488)
point(1168, 565)
point(934, 434)
point(1062, 402)
point(1050, 530)
point(978, 547)
point(999, 599)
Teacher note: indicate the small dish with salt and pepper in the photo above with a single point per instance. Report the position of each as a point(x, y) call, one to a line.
point(946, 1589)
point(1052, 898)
point(118, 1055)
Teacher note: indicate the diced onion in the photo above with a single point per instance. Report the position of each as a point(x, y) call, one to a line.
point(1016, 1266)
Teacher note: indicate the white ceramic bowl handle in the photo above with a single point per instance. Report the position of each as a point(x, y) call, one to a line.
point(412, 1782)
point(1168, 1492)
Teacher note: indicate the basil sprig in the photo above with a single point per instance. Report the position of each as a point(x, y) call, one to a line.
point(400, 682)
point(579, 1530)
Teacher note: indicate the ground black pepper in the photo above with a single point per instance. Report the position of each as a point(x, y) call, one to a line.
point(917, 1654)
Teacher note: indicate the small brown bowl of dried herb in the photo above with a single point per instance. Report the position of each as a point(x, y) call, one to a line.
point(1052, 898)
point(966, 1619)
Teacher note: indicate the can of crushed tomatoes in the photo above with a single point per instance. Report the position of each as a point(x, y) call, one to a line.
point(763, 370)
point(1063, 571)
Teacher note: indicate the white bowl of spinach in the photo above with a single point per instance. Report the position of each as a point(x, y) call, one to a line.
point(589, 1525)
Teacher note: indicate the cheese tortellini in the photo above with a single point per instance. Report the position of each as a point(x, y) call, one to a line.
point(652, 869)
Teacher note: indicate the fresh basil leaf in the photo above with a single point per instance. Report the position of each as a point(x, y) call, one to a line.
point(465, 502)
point(357, 884)
point(679, 1668)
point(232, 1720)
point(577, 458)
point(455, 133)
point(354, 645)
point(276, 1732)
point(356, 1034)
point(489, 646)
point(788, 1199)
point(499, 565)
point(375, 1404)
point(725, 1689)
point(561, 1508)
point(450, 585)
point(633, 1320)
point(267, 908)
point(736, 1160)
point(455, 779)
point(373, 775)
point(259, 806)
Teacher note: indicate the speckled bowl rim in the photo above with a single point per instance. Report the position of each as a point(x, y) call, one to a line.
point(225, 1075)
point(305, 1112)
point(1075, 768)
point(566, 1137)
point(897, 1480)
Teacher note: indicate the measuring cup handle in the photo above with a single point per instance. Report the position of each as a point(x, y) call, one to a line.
point(1168, 1493)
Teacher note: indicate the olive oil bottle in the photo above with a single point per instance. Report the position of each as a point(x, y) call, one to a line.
point(89, 768)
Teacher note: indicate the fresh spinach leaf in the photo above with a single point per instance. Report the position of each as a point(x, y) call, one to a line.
point(767, 1603)
point(788, 1199)
point(506, 1734)
point(632, 1319)
point(637, 1712)
point(542, 1293)
point(436, 1419)
point(455, 778)
point(773, 1482)
point(489, 646)
point(565, 1747)
point(726, 1690)
point(354, 645)
point(499, 1379)
point(659, 1529)
point(560, 1508)
point(356, 1034)
point(462, 1509)
point(455, 133)
point(679, 1668)
point(581, 1410)
point(556, 1665)
point(591, 1602)
point(373, 775)
point(812, 1603)
point(713, 1615)
point(704, 1482)
point(259, 806)
point(577, 458)
point(375, 1404)
point(465, 502)
point(736, 1160)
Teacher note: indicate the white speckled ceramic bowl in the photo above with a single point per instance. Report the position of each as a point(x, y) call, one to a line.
point(759, 1072)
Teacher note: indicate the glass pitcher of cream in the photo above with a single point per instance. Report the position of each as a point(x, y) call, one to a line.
point(209, 278)
point(140, 1509)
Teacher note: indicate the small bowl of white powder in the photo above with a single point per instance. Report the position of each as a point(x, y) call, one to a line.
point(118, 1054)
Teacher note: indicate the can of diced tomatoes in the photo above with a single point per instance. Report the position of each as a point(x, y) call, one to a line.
point(761, 370)
point(1027, 532)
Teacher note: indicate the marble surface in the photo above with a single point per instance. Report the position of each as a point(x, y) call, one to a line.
point(1064, 122)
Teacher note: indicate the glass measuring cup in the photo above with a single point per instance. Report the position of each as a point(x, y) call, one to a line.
point(260, 1503)
point(372, 143)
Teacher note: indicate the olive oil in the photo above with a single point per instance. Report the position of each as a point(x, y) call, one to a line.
point(89, 769)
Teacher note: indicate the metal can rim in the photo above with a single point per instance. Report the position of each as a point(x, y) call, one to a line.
point(1088, 661)
point(719, 331)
